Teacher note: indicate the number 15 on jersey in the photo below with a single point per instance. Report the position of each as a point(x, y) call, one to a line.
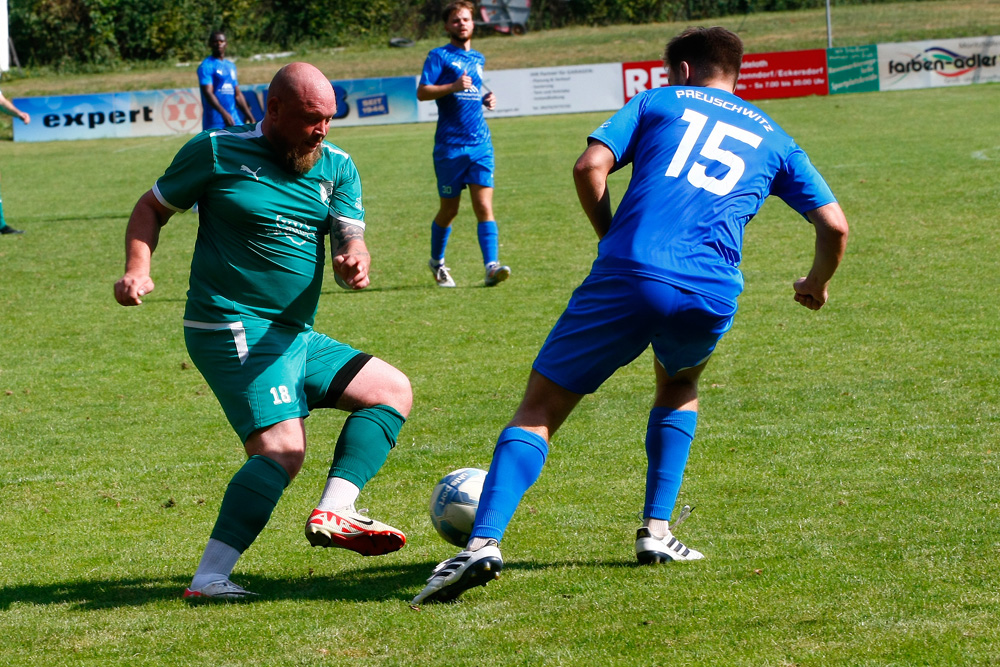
point(712, 150)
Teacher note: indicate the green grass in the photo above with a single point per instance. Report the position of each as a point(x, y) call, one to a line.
point(846, 470)
point(761, 32)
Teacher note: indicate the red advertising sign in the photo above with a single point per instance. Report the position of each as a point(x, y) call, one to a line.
point(783, 74)
point(763, 75)
point(641, 76)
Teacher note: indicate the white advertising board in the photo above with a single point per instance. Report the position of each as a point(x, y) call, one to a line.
point(936, 63)
point(550, 90)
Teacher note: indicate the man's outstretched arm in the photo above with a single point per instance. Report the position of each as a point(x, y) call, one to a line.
point(590, 173)
point(141, 237)
point(831, 241)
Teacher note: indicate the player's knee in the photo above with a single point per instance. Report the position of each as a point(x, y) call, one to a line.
point(445, 218)
point(398, 393)
point(291, 459)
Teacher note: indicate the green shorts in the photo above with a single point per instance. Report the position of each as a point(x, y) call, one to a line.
point(263, 374)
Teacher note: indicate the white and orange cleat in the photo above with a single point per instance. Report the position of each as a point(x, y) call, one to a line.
point(354, 530)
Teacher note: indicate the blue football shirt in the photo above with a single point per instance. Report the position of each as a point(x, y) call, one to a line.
point(703, 162)
point(221, 75)
point(461, 120)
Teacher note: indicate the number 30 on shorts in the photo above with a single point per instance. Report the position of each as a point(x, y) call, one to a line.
point(281, 395)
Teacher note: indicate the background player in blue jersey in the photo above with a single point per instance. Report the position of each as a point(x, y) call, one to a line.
point(463, 149)
point(666, 275)
point(221, 99)
point(7, 107)
point(270, 195)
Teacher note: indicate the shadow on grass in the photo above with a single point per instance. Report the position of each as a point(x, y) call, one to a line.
point(369, 584)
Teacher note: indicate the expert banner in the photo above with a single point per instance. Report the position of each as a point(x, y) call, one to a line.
point(110, 115)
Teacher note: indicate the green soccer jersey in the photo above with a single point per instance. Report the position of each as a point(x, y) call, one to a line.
point(260, 249)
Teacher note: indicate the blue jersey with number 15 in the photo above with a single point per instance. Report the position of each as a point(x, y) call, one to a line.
point(703, 161)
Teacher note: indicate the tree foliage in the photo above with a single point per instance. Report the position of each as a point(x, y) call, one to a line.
point(75, 35)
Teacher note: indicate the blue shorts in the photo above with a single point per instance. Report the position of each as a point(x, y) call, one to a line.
point(611, 320)
point(263, 375)
point(458, 166)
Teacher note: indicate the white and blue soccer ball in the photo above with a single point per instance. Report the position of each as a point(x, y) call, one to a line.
point(454, 502)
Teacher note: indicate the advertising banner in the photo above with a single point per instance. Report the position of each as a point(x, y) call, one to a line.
point(136, 114)
point(853, 69)
point(376, 101)
point(535, 92)
point(539, 91)
point(783, 74)
point(936, 63)
point(762, 76)
point(640, 76)
point(164, 112)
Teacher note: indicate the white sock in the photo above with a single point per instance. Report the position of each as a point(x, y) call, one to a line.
point(338, 494)
point(216, 563)
point(477, 543)
point(657, 527)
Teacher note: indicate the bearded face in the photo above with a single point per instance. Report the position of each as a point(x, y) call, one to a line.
point(299, 127)
point(300, 163)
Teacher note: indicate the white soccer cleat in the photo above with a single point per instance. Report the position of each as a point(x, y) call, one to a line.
point(651, 550)
point(220, 590)
point(442, 274)
point(496, 273)
point(350, 529)
point(456, 575)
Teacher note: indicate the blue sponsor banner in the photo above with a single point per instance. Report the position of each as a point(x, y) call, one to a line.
point(376, 101)
point(376, 105)
point(135, 114)
point(165, 112)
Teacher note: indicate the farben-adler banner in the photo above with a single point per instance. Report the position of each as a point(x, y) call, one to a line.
point(936, 63)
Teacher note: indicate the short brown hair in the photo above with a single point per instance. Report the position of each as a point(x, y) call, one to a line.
point(711, 51)
point(457, 4)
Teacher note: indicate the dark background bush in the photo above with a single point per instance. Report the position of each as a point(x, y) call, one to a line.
point(87, 35)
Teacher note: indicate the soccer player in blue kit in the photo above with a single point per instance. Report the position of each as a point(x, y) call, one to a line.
point(221, 98)
point(463, 147)
point(666, 275)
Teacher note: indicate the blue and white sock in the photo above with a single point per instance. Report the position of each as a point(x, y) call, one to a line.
point(669, 434)
point(439, 242)
point(489, 242)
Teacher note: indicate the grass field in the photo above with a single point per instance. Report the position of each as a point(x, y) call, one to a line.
point(761, 31)
point(846, 472)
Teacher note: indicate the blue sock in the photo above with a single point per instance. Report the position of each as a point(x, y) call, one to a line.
point(668, 441)
point(439, 241)
point(489, 241)
point(517, 462)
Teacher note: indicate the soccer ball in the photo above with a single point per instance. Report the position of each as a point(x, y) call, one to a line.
point(454, 502)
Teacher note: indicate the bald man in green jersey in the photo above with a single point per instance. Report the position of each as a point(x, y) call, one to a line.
point(267, 197)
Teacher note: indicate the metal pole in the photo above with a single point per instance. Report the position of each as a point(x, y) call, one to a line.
point(829, 27)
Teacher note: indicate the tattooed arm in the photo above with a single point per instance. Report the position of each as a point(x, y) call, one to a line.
point(350, 254)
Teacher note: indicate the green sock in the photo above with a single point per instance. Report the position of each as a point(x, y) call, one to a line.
point(250, 498)
point(364, 443)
